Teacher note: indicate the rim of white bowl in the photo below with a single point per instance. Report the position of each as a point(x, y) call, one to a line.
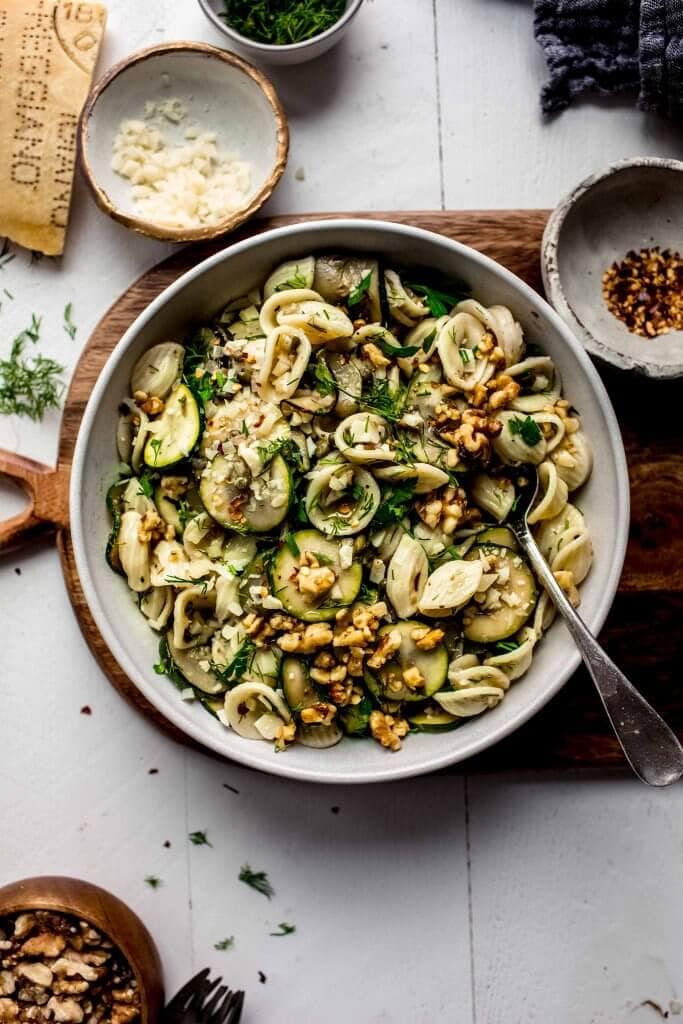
point(394, 770)
point(246, 42)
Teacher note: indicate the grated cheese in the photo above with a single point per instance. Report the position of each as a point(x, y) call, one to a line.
point(182, 185)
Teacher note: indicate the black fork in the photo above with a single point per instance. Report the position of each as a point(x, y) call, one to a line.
point(202, 1001)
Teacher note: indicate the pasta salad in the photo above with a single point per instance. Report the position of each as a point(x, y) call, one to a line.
point(313, 499)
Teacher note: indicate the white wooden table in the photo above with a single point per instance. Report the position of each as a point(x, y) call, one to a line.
point(494, 900)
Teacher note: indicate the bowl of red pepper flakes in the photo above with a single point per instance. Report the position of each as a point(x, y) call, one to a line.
point(612, 265)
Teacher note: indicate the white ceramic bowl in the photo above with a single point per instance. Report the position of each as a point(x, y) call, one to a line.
point(636, 203)
point(293, 53)
point(221, 92)
point(198, 294)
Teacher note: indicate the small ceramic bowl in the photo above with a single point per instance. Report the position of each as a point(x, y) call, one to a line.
point(292, 53)
point(221, 93)
point(108, 914)
point(633, 204)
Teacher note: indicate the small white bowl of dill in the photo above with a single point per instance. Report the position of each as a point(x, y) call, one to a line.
point(282, 31)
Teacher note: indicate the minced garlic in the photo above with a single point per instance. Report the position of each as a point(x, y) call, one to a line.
point(183, 185)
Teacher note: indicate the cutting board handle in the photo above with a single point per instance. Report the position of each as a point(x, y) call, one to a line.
point(47, 509)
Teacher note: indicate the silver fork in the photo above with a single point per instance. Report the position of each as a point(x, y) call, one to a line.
point(651, 748)
point(201, 1001)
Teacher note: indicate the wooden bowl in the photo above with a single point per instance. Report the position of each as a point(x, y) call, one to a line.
point(221, 92)
point(108, 914)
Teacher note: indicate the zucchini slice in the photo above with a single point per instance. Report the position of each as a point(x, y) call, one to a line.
point(497, 536)
point(187, 661)
point(176, 432)
point(296, 685)
point(169, 508)
point(433, 719)
point(259, 509)
point(432, 665)
point(355, 718)
point(515, 597)
point(305, 606)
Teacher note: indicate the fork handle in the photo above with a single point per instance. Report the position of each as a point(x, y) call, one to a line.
point(650, 746)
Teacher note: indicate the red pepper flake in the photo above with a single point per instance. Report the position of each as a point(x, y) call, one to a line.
point(645, 291)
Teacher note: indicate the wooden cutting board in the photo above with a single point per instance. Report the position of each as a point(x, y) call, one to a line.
point(643, 633)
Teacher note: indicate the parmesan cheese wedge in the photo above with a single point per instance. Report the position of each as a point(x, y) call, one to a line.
point(48, 52)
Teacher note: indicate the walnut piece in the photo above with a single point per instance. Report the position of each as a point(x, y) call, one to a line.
point(44, 943)
point(427, 639)
point(389, 643)
point(319, 713)
point(387, 729)
point(305, 640)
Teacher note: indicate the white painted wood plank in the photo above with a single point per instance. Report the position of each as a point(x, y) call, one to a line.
point(377, 892)
point(76, 796)
point(498, 149)
point(577, 900)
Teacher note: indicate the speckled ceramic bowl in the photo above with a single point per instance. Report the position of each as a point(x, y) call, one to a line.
point(196, 296)
point(221, 92)
point(293, 53)
point(633, 204)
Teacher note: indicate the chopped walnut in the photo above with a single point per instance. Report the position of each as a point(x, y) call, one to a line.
point(122, 1014)
point(65, 1009)
point(315, 581)
point(375, 355)
point(389, 643)
point(258, 628)
point(151, 527)
point(174, 486)
point(470, 432)
point(501, 391)
point(446, 509)
point(413, 678)
point(425, 638)
point(39, 974)
point(565, 577)
point(319, 713)
point(387, 729)
point(285, 735)
point(9, 1011)
point(307, 639)
point(45, 943)
point(283, 623)
point(153, 405)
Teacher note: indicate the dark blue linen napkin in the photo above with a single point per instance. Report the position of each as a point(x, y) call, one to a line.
point(611, 46)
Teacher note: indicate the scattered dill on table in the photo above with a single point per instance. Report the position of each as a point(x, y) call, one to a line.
point(285, 929)
point(225, 944)
point(257, 880)
point(29, 384)
point(68, 325)
point(199, 839)
point(282, 22)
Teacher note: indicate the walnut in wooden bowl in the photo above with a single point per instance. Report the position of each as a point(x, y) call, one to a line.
point(72, 952)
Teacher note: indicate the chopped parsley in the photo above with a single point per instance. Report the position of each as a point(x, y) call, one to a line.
point(439, 303)
point(146, 485)
point(356, 295)
point(199, 839)
point(384, 399)
point(394, 505)
point(285, 929)
point(395, 351)
point(69, 325)
point(528, 429)
point(256, 880)
point(325, 383)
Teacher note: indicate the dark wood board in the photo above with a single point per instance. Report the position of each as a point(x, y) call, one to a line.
point(643, 632)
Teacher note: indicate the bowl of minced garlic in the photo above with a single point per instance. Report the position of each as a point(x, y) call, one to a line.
point(182, 141)
point(72, 952)
point(612, 265)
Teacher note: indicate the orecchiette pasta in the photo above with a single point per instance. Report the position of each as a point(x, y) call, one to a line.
point(314, 504)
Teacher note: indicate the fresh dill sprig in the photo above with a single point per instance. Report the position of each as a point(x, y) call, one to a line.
point(235, 669)
point(195, 581)
point(357, 293)
point(68, 325)
point(285, 929)
point(257, 880)
point(225, 944)
point(199, 839)
point(29, 385)
point(152, 881)
point(281, 22)
point(384, 399)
